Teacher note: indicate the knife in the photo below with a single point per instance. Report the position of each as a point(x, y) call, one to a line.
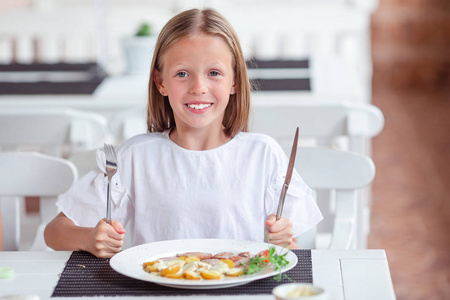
point(288, 177)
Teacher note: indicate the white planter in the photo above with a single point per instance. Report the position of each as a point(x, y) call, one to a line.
point(138, 53)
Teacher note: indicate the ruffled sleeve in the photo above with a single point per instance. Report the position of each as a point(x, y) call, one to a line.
point(300, 205)
point(85, 202)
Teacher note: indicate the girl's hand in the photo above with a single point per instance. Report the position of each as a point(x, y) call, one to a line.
point(280, 232)
point(104, 240)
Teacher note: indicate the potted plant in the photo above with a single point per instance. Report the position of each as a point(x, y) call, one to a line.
point(139, 49)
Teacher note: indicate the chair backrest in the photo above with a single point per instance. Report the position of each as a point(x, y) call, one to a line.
point(321, 123)
point(128, 123)
point(342, 173)
point(51, 130)
point(25, 174)
point(342, 125)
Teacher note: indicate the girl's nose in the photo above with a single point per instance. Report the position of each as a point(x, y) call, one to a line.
point(198, 86)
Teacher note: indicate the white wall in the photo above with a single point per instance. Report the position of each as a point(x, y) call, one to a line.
point(328, 32)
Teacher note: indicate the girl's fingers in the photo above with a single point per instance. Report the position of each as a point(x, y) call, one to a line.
point(106, 253)
point(117, 227)
point(116, 236)
point(279, 232)
point(108, 248)
point(271, 220)
point(113, 243)
point(278, 226)
point(108, 240)
point(279, 237)
point(115, 230)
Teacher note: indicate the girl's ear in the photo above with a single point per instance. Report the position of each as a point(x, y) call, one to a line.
point(159, 82)
point(233, 88)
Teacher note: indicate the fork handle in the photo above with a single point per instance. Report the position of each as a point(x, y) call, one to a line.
point(108, 203)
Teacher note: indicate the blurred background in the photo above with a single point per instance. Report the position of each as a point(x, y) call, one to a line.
point(411, 211)
point(394, 54)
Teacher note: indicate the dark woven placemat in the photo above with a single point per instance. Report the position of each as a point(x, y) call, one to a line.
point(86, 275)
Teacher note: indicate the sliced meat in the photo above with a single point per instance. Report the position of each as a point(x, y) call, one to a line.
point(228, 255)
point(245, 254)
point(242, 262)
point(211, 261)
point(200, 255)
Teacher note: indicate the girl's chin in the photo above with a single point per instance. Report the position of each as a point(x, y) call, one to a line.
point(200, 126)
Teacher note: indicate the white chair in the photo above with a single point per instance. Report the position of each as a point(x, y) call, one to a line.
point(128, 123)
point(25, 174)
point(345, 125)
point(54, 131)
point(122, 125)
point(342, 125)
point(59, 132)
point(341, 173)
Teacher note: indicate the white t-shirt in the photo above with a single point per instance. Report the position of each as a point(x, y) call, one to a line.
point(162, 191)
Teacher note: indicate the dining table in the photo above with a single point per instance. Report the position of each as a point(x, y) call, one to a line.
point(344, 274)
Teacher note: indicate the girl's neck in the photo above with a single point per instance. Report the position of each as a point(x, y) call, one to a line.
point(198, 140)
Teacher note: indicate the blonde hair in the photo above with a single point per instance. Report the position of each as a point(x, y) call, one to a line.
point(208, 21)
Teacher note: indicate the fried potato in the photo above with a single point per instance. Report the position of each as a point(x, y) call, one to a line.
point(150, 263)
point(189, 259)
point(175, 276)
point(229, 262)
point(234, 272)
point(192, 275)
point(150, 268)
point(171, 270)
point(208, 274)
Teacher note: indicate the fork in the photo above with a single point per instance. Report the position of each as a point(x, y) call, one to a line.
point(111, 169)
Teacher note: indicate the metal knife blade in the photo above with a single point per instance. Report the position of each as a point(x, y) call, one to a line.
point(288, 177)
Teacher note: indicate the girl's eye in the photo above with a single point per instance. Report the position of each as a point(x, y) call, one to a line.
point(181, 74)
point(214, 73)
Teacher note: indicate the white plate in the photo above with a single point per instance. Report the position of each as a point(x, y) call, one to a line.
point(129, 262)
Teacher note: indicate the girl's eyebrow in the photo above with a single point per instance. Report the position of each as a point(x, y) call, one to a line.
point(176, 67)
point(210, 65)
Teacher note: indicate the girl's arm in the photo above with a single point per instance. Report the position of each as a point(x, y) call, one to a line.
point(103, 240)
point(280, 232)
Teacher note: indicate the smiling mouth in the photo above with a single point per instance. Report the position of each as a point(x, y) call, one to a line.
point(198, 106)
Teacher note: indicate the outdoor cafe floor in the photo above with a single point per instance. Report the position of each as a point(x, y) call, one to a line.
point(411, 207)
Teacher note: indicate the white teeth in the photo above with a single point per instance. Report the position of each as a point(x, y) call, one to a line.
point(198, 106)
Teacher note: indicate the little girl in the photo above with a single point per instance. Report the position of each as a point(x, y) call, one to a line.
point(198, 173)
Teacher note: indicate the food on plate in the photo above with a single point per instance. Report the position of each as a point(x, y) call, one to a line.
point(200, 255)
point(210, 274)
point(192, 275)
point(228, 255)
point(206, 266)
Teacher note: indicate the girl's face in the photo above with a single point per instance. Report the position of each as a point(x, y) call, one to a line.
point(198, 78)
